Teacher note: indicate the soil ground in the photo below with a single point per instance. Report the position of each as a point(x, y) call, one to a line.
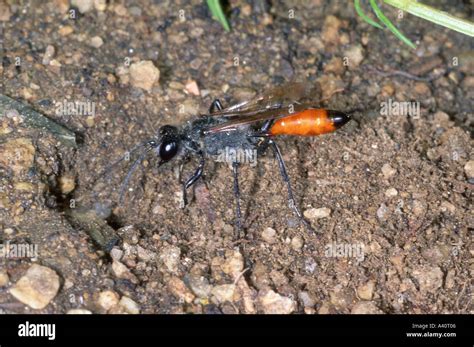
point(398, 187)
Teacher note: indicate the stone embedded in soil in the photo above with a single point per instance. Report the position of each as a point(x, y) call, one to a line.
point(96, 42)
point(65, 31)
point(116, 253)
point(297, 242)
point(179, 290)
point(366, 291)
point(223, 293)
point(382, 212)
point(274, 303)
point(306, 299)
point(4, 279)
point(37, 287)
point(268, 235)
point(83, 5)
point(5, 12)
point(100, 5)
point(199, 285)
point(121, 271)
point(170, 256)
point(144, 74)
point(17, 155)
point(78, 311)
point(469, 169)
point(365, 307)
point(67, 184)
point(388, 171)
point(234, 264)
point(317, 213)
point(48, 54)
point(391, 192)
point(355, 55)
point(192, 88)
point(430, 279)
point(330, 33)
point(129, 305)
point(107, 299)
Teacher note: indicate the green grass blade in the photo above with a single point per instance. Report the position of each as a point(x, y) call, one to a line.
point(390, 25)
point(364, 16)
point(218, 13)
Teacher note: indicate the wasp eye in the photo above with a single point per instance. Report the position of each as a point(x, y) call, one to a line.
point(168, 150)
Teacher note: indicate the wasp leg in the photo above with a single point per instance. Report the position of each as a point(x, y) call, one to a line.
point(215, 106)
point(238, 213)
point(286, 178)
point(191, 180)
point(264, 135)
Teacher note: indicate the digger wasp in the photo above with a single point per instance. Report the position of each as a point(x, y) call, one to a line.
point(251, 125)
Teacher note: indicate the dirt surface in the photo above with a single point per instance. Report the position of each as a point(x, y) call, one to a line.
point(391, 194)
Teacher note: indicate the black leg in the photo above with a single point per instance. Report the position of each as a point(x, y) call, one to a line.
point(263, 145)
point(191, 180)
point(291, 200)
point(238, 213)
point(215, 106)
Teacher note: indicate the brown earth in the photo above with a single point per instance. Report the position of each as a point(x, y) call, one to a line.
point(398, 187)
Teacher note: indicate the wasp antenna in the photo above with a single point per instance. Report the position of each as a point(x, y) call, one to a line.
point(109, 168)
point(130, 172)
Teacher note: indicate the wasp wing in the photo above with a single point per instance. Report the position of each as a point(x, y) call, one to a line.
point(275, 103)
point(257, 116)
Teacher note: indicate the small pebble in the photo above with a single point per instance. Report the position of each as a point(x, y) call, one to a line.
point(355, 55)
point(123, 272)
point(391, 192)
point(37, 287)
point(4, 279)
point(199, 285)
point(129, 305)
point(366, 291)
point(83, 5)
point(66, 184)
point(192, 88)
point(274, 303)
point(107, 299)
point(65, 30)
point(365, 307)
point(116, 253)
point(317, 213)
point(170, 256)
point(223, 293)
point(234, 264)
point(297, 243)
point(48, 54)
point(306, 299)
point(469, 169)
point(96, 42)
point(179, 290)
point(388, 171)
point(382, 211)
point(144, 74)
point(268, 235)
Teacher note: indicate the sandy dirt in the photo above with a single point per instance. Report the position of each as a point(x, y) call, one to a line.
point(390, 195)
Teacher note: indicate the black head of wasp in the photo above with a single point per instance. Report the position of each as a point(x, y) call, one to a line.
point(249, 127)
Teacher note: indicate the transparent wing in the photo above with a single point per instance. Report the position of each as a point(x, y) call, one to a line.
point(275, 103)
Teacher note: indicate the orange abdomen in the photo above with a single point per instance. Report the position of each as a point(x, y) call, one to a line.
point(310, 122)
